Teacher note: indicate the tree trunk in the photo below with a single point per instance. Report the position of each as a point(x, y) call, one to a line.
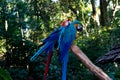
point(85, 60)
point(103, 10)
point(114, 10)
point(95, 14)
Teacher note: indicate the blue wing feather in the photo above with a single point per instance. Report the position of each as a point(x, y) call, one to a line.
point(43, 48)
point(48, 42)
point(54, 36)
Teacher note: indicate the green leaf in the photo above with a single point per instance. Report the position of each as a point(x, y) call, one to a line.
point(4, 75)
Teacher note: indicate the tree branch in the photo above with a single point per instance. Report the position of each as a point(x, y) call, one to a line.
point(85, 60)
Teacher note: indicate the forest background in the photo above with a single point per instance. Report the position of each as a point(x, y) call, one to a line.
point(25, 23)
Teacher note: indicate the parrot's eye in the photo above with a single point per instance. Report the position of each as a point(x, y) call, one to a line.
point(79, 27)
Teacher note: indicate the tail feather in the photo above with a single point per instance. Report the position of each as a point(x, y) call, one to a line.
point(64, 66)
point(47, 64)
point(47, 44)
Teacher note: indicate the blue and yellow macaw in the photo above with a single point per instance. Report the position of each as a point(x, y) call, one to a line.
point(68, 34)
point(64, 36)
point(49, 43)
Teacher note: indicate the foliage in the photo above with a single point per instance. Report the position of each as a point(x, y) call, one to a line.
point(18, 73)
point(4, 74)
point(117, 72)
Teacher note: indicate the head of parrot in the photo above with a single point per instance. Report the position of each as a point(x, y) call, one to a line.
point(78, 25)
point(66, 23)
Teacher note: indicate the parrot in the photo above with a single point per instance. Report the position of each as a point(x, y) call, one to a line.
point(68, 34)
point(49, 43)
point(64, 36)
point(64, 24)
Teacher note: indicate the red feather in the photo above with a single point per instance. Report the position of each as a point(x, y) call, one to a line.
point(47, 64)
point(66, 22)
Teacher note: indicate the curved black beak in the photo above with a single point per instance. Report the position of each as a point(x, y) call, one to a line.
point(79, 27)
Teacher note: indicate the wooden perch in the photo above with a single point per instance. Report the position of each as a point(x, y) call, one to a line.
point(86, 61)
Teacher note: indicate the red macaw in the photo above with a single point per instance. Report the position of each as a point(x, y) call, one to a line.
point(66, 22)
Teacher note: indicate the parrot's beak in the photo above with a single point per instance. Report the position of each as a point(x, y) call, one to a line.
point(79, 27)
